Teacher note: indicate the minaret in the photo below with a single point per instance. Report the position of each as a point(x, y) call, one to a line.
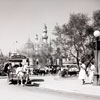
point(44, 35)
point(36, 42)
point(36, 46)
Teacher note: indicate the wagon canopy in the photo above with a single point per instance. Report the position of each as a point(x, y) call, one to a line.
point(17, 58)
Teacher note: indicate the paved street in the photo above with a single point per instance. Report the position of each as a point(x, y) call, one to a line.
point(15, 92)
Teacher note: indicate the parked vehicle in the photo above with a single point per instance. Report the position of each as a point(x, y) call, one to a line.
point(54, 69)
point(73, 70)
point(43, 70)
point(69, 70)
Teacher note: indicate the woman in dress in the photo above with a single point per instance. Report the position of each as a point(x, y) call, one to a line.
point(91, 72)
point(82, 73)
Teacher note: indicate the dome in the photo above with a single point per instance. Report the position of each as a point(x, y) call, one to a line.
point(44, 36)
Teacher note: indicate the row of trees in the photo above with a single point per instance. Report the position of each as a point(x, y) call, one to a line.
point(75, 38)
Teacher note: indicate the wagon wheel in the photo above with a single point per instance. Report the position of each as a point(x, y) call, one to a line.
point(67, 73)
point(8, 80)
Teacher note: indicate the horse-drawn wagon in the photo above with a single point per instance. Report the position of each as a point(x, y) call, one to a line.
point(12, 67)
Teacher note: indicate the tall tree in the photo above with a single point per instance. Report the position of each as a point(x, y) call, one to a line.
point(96, 19)
point(77, 26)
point(60, 41)
point(75, 37)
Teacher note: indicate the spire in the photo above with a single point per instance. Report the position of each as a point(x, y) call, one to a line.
point(45, 29)
point(36, 37)
point(44, 36)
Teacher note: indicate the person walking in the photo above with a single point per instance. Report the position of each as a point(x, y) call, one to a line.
point(82, 72)
point(91, 72)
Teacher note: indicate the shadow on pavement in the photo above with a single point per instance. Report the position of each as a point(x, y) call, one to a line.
point(37, 80)
point(14, 82)
point(32, 82)
point(87, 83)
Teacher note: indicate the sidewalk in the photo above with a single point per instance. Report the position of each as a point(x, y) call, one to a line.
point(68, 85)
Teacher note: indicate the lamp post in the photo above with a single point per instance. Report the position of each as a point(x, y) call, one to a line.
point(97, 74)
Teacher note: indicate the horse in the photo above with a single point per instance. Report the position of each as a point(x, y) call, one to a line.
point(22, 76)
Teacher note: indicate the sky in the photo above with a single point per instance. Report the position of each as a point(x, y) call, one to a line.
point(23, 19)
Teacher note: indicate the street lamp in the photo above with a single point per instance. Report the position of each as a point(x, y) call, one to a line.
point(96, 75)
